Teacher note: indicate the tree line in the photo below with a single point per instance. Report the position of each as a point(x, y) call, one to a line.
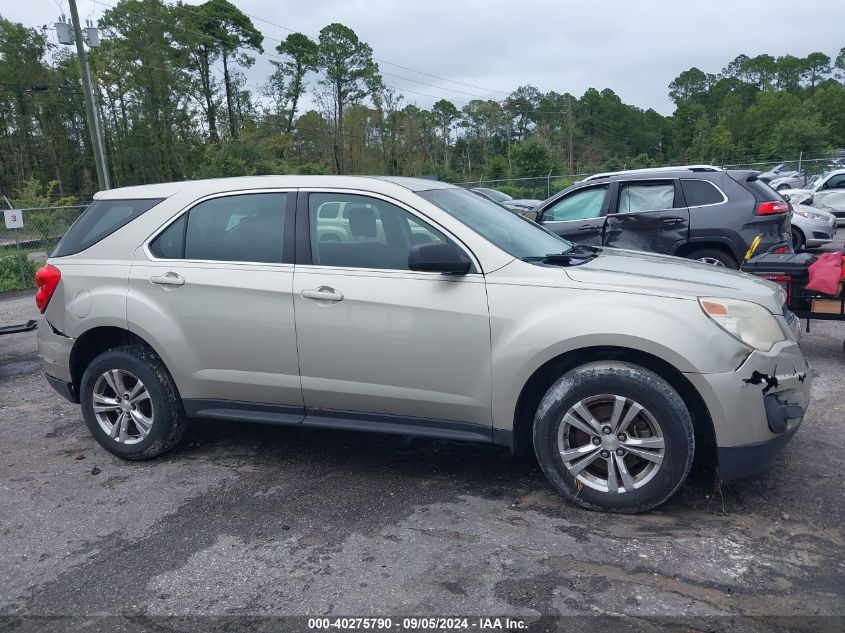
point(176, 104)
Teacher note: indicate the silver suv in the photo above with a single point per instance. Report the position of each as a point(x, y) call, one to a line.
point(414, 307)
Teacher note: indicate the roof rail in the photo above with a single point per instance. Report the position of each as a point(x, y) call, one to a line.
point(650, 169)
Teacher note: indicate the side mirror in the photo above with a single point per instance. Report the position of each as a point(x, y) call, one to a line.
point(438, 257)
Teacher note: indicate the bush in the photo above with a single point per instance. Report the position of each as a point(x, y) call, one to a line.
point(10, 273)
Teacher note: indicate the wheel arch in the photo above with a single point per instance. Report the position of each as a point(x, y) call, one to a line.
point(725, 246)
point(94, 342)
point(544, 376)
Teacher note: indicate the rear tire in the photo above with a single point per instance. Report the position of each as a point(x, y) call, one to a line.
point(636, 466)
point(797, 240)
point(783, 187)
point(715, 257)
point(130, 403)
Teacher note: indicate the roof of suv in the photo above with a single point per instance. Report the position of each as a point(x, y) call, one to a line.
point(379, 184)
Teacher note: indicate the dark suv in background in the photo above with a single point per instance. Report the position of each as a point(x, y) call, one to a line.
point(698, 212)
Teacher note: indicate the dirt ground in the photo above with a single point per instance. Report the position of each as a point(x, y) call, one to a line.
point(243, 523)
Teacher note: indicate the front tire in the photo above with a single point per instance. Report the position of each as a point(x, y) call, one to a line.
point(130, 403)
point(614, 436)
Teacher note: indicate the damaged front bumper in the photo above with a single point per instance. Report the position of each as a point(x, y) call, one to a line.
point(757, 408)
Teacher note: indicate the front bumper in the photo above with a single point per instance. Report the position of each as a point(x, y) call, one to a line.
point(756, 409)
point(819, 233)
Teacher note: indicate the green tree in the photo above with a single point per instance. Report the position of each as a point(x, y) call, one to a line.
point(302, 57)
point(446, 114)
point(350, 75)
point(229, 31)
point(816, 66)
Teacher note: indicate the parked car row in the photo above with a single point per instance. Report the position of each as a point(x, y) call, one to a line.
point(698, 212)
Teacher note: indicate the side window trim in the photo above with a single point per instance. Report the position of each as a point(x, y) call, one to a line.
point(303, 230)
point(605, 205)
point(288, 250)
point(678, 201)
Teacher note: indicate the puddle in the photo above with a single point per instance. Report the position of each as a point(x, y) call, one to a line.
point(14, 369)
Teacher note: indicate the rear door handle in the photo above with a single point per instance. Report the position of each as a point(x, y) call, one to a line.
point(672, 220)
point(587, 227)
point(168, 279)
point(323, 293)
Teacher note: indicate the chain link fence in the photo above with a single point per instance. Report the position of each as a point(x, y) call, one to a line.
point(22, 250)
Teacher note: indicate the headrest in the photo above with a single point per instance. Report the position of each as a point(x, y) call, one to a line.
point(362, 221)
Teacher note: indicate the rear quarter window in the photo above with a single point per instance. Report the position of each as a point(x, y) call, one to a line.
point(99, 220)
point(700, 193)
point(761, 191)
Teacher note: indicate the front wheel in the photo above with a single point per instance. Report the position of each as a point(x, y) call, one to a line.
point(614, 436)
point(130, 403)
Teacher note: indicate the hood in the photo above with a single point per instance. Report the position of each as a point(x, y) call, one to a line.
point(797, 196)
point(635, 271)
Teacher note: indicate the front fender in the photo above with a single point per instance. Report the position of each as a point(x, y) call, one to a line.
point(531, 325)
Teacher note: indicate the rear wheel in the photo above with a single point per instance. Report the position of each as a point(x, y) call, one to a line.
point(715, 257)
point(130, 403)
point(614, 436)
point(797, 240)
point(783, 187)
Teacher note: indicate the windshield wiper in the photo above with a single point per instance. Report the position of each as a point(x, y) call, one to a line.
point(578, 254)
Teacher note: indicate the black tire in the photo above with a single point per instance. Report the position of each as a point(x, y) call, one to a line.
point(712, 255)
point(640, 385)
point(784, 187)
point(797, 240)
point(169, 420)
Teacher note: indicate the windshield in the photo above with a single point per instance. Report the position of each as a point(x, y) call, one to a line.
point(817, 180)
point(495, 196)
point(512, 233)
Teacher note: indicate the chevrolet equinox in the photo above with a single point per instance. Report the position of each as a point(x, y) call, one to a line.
point(415, 307)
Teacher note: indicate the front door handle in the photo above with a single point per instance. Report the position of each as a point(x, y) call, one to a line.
point(168, 279)
point(672, 220)
point(587, 227)
point(323, 293)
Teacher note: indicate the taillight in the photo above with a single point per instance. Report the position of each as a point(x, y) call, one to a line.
point(46, 278)
point(781, 250)
point(770, 208)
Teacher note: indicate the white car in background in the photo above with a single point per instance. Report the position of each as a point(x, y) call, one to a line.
point(826, 192)
point(811, 227)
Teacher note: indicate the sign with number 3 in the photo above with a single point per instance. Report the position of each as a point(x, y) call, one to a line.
point(14, 219)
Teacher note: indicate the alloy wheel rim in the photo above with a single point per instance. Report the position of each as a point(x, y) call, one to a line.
point(122, 406)
point(711, 260)
point(611, 443)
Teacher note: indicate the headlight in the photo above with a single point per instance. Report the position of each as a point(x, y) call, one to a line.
point(748, 322)
point(818, 217)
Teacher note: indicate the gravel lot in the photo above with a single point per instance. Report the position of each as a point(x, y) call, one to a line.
point(245, 520)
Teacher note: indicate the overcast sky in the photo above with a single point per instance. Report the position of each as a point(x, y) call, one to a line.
point(635, 48)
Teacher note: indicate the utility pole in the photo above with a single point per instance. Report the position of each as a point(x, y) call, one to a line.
point(569, 116)
point(92, 116)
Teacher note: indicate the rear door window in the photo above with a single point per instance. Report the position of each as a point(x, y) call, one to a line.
point(236, 228)
point(98, 221)
point(642, 197)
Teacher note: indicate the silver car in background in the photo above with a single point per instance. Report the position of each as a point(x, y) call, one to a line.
point(811, 227)
point(414, 307)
